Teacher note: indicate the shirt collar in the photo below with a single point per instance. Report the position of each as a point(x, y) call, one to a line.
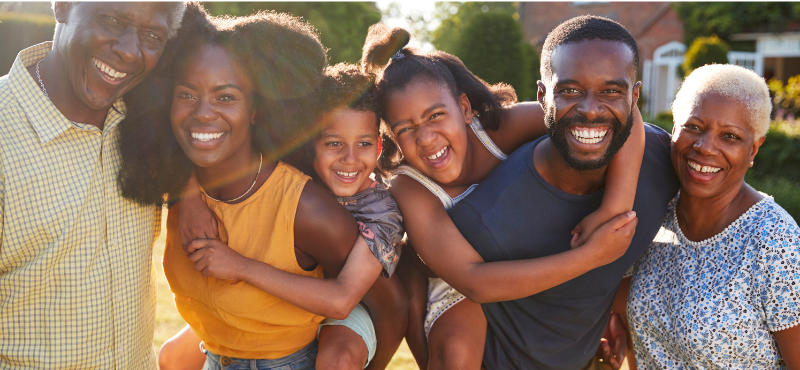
point(47, 120)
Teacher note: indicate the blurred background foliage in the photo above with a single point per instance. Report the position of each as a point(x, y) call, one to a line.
point(342, 25)
point(488, 38)
point(20, 30)
point(702, 51)
point(727, 18)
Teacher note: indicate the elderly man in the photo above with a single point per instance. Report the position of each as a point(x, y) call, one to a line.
point(528, 205)
point(76, 276)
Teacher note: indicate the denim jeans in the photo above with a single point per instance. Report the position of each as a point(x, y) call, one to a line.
point(304, 359)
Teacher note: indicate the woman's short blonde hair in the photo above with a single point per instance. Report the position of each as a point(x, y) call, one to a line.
point(730, 81)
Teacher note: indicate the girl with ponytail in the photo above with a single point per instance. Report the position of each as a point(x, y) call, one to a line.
point(453, 129)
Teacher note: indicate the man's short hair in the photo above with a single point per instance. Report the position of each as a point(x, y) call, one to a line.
point(176, 10)
point(733, 82)
point(582, 28)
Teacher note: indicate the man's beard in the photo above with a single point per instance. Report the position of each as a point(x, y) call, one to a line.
point(558, 132)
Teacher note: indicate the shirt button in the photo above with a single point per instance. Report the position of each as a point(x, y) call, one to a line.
point(119, 297)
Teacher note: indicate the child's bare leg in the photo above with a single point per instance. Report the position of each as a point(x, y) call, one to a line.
point(457, 338)
point(340, 348)
point(388, 308)
point(181, 352)
point(415, 281)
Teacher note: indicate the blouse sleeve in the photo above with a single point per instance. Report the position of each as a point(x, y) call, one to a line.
point(779, 280)
point(381, 225)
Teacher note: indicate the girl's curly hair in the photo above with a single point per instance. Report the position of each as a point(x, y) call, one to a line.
point(396, 65)
point(282, 56)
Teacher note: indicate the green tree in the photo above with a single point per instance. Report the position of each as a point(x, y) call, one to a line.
point(490, 44)
point(455, 16)
point(727, 18)
point(704, 50)
point(342, 25)
point(531, 62)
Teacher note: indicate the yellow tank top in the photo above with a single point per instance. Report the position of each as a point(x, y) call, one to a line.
point(236, 319)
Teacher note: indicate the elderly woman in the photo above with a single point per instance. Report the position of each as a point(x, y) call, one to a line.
point(720, 285)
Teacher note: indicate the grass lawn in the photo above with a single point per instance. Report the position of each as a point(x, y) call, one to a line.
point(168, 321)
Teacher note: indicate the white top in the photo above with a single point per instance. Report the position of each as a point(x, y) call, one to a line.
point(437, 190)
point(714, 304)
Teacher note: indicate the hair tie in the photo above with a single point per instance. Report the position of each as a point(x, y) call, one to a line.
point(398, 55)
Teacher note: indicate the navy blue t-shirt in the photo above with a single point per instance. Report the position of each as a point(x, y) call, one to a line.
point(515, 214)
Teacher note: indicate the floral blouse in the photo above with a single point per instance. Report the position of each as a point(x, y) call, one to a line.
point(714, 304)
point(380, 223)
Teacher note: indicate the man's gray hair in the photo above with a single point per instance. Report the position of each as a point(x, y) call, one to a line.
point(733, 82)
point(176, 9)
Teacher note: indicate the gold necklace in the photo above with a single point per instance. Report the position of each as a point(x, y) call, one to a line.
point(260, 161)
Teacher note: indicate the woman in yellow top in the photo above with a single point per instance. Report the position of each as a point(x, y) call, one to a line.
point(241, 90)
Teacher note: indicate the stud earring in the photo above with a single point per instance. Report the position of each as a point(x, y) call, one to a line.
point(751, 163)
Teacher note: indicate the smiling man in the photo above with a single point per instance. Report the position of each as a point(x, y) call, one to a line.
point(529, 204)
point(76, 276)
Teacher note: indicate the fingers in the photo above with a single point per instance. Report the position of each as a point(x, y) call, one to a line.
point(582, 239)
point(200, 260)
point(604, 352)
point(196, 244)
point(196, 256)
point(615, 362)
point(185, 239)
point(620, 335)
point(622, 220)
point(574, 242)
point(630, 227)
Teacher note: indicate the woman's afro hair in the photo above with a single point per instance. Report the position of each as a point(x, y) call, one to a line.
point(283, 57)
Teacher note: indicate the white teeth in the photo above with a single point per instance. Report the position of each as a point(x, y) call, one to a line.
point(704, 169)
point(206, 136)
point(110, 72)
point(589, 136)
point(348, 175)
point(438, 154)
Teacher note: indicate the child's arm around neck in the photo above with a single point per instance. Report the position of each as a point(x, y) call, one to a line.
point(622, 179)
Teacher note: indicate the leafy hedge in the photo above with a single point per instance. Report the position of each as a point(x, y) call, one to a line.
point(779, 156)
point(19, 31)
point(492, 47)
point(704, 50)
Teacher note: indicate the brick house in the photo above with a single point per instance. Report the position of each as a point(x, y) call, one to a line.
point(659, 34)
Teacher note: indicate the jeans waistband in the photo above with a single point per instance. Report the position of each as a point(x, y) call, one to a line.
point(310, 349)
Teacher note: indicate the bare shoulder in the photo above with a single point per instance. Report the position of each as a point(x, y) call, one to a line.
point(320, 219)
point(520, 123)
point(423, 212)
